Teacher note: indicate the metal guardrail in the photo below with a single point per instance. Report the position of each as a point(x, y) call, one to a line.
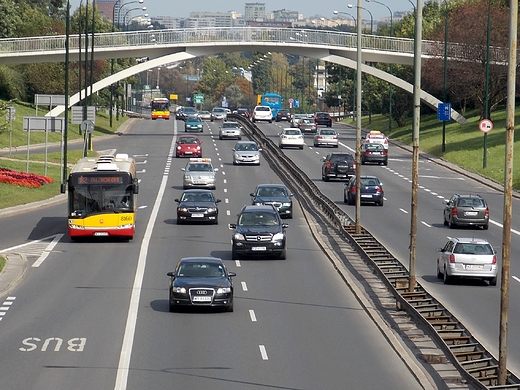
point(122, 41)
point(478, 366)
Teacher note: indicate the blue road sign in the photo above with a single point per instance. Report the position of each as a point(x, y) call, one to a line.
point(296, 103)
point(444, 111)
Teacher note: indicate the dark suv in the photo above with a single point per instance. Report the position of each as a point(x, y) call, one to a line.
point(259, 231)
point(468, 210)
point(283, 115)
point(338, 166)
point(323, 118)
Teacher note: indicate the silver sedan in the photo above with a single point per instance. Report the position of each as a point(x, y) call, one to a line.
point(326, 137)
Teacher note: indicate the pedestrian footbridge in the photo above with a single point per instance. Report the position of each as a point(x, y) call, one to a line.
point(172, 45)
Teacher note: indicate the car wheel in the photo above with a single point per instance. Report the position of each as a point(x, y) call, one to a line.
point(385, 163)
point(179, 221)
point(282, 256)
point(345, 199)
point(301, 147)
point(271, 121)
point(280, 146)
point(381, 202)
point(485, 227)
point(220, 137)
point(351, 201)
point(229, 308)
point(439, 273)
point(215, 222)
point(446, 277)
point(239, 138)
point(171, 306)
point(451, 224)
point(315, 145)
point(336, 146)
point(234, 255)
point(234, 163)
point(493, 281)
point(325, 178)
point(444, 218)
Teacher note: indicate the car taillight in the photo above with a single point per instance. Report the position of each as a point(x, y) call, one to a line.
point(367, 152)
point(487, 212)
point(353, 189)
point(335, 137)
point(320, 137)
point(454, 211)
point(385, 152)
point(354, 165)
point(328, 165)
point(452, 258)
point(494, 259)
point(378, 189)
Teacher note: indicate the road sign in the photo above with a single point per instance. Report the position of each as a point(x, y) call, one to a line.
point(77, 114)
point(87, 126)
point(296, 103)
point(198, 98)
point(11, 113)
point(485, 125)
point(291, 100)
point(444, 111)
point(43, 123)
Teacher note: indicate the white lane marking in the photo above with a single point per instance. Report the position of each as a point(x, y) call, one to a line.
point(404, 211)
point(47, 251)
point(142, 207)
point(252, 315)
point(228, 212)
point(225, 189)
point(123, 367)
point(225, 181)
point(226, 200)
point(237, 263)
point(27, 244)
point(426, 224)
point(263, 352)
point(516, 278)
point(244, 286)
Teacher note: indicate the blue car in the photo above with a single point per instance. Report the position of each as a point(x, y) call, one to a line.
point(193, 123)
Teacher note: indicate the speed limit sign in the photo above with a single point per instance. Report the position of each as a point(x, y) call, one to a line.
point(485, 125)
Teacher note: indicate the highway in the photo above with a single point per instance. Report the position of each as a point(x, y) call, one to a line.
point(94, 314)
point(475, 303)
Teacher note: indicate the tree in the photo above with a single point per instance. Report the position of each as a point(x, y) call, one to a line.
point(467, 79)
point(10, 19)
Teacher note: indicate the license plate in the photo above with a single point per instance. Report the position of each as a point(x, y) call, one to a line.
point(197, 215)
point(258, 248)
point(201, 299)
point(366, 196)
point(104, 234)
point(474, 267)
point(470, 213)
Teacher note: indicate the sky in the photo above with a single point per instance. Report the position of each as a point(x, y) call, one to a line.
point(309, 8)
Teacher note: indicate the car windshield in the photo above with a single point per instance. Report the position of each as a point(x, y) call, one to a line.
point(193, 118)
point(473, 249)
point(188, 140)
point(249, 147)
point(470, 202)
point(327, 132)
point(257, 219)
point(199, 168)
point(262, 108)
point(369, 181)
point(197, 197)
point(291, 132)
point(201, 270)
point(342, 157)
point(219, 110)
point(272, 192)
point(230, 126)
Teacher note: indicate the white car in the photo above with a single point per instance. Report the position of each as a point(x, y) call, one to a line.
point(326, 137)
point(230, 130)
point(199, 173)
point(246, 152)
point(472, 258)
point(376, 137)
point(291, 137)
point(218, 113)
point(262, 113)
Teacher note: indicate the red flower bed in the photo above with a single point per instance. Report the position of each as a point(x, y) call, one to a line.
point(16, 178)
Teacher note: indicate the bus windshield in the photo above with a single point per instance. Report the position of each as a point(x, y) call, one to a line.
point(93, 199)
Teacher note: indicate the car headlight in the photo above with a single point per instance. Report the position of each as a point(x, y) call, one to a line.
point(223, 290)
point(179, 290)
point(188, 178)
point(286, 204)
point(278, 237)
point(239, 237)
point(184, 209)
point(258, 204)
point(199, 126)
point(211, 209)
point(237, 156)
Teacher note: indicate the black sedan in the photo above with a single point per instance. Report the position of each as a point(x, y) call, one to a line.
point(201, 282)
point(371, 190)
point(276, 195)
point(197, 206)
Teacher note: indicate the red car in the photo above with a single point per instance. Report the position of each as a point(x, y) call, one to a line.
point(188, 146)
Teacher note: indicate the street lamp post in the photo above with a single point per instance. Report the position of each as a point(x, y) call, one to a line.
point(445, 75)
point(130, 10)
point(371, 17)
point(391, 65)
point(346, 13)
